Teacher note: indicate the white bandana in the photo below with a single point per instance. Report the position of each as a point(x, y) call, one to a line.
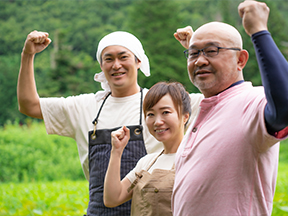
point(128, 41)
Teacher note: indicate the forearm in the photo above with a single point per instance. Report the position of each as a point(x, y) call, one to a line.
point(28, 99)
point(274, 73)
point(115, 192)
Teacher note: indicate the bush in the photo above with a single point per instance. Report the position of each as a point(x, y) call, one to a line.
point(29, 154)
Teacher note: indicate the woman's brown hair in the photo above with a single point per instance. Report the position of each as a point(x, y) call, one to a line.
point(176, 90)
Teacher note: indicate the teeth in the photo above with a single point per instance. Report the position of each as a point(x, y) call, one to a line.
point(159, 131)
point(116, 74)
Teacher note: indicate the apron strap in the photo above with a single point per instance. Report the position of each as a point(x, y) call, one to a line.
point(96, 119)
point(141, 103)
point(139, 175)
point(155, 160)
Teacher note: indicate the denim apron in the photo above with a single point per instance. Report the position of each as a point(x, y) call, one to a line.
point(99, 155)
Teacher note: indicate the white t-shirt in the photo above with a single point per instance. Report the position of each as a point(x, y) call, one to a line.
point(164, 162)
point(73, 116)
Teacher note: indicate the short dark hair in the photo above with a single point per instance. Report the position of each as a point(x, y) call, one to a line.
point(176, 90)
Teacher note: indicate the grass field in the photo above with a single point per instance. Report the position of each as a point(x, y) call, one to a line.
point(280, 203)
point(60, 198)
point(64, 198)
point(71, 197)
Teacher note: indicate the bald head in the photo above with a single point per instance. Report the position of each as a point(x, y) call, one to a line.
point(215, 70)
point(222, 33)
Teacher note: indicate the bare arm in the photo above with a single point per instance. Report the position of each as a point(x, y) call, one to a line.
point(28, 99)
point(115, 190)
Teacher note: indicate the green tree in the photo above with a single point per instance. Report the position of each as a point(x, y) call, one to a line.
point(154, 23)
point(275, 26)
point(8, 81)
point(229, 14)
point(195, 13)
point(80, 24)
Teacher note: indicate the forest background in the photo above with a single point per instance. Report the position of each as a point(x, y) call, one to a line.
point(68, 65)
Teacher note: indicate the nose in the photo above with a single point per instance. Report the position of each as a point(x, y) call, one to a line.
point(158, 121)
point(117, 64)
point(201, 60)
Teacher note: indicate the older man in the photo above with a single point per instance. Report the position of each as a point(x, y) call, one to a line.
point(227, 162)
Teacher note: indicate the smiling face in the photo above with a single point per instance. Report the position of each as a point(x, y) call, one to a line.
point(120, 68)
point(165, 124)
point(212, 75)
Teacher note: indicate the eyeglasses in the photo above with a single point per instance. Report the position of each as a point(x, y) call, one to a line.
point(209, 51)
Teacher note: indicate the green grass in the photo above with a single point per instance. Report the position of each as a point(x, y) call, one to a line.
point(71, 197)
point(47, 198)
point(280, 203)
point(67, 197)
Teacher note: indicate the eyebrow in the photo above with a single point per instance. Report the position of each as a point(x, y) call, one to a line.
point(206, 45)
point(120, 53)
point(161, 108)
point(166, 107)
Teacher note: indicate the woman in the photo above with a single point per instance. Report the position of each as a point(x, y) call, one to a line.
point(166, 109)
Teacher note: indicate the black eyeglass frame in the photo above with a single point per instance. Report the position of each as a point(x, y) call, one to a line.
point(186, 52)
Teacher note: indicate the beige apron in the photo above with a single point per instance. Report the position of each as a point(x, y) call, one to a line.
point(152, 192)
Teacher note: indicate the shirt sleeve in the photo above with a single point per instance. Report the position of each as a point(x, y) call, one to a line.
point(66, 116)
point(196, 99)
point(274, 73)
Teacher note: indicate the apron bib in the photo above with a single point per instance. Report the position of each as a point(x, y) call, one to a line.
point(99, 155)
point(152, 192)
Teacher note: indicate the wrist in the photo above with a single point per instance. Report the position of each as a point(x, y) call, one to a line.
point(116, 152)
point(27, 55)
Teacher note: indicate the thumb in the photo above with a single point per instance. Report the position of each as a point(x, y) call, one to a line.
point(126, 131)
point(47, 41)
point(177, 36)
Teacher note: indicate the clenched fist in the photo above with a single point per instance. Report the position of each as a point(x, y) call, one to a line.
point(36, 42)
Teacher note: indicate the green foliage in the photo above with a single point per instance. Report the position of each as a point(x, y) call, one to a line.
point(155, 26)
point(78, 24)
point(275, 26)
point(8, 80)
point(68, 65)
point(71, 76)
point(29, 154)
point(71, 197)
point(46, 199)
point(196, 13)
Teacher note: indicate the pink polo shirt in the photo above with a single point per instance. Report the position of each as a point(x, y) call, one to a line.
point(227, 162)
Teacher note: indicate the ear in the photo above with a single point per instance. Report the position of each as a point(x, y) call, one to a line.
point(242, 59)
point(186, 118)
point(138, 63)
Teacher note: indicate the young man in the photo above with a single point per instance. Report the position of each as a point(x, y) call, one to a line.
point(90, 118)
point(227, 161)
